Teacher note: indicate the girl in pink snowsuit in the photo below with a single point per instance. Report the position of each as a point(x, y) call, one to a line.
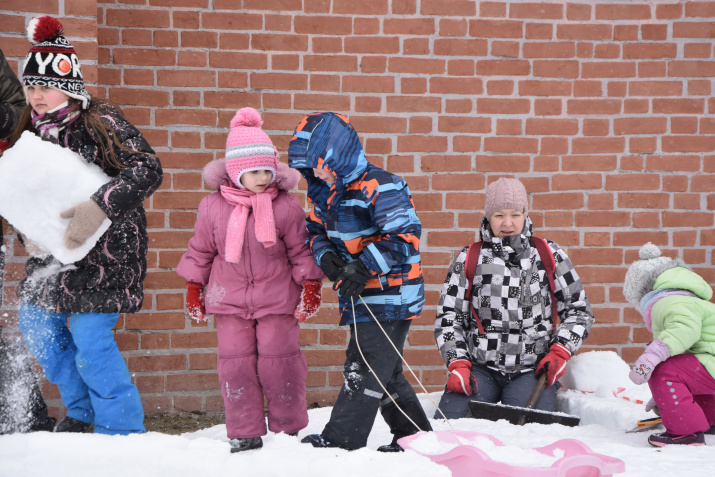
point(248, 263)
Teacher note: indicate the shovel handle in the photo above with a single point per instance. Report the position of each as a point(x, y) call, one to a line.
point(534, 398)
point(536, 393)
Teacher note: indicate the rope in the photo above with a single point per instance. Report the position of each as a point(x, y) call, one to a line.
point(403, 361)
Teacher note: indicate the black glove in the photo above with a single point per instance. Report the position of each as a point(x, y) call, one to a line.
point(352, 280)
point(331, 265)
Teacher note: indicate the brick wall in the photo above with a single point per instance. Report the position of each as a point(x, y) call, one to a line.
point(602, 108)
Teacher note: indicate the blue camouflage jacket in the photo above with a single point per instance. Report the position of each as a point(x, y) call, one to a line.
point(367, 215)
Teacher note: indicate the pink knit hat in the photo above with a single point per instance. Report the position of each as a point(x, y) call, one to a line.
point(248, 148)
point(506, 194)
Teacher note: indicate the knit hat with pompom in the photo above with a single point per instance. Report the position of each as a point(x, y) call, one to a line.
point(52, 62)
point(642, 274)
point(248, 148)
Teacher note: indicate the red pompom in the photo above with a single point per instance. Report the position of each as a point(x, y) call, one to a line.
point(43, 28)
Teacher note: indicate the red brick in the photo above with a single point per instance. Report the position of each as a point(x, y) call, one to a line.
point(557, 127)
point(460, 47)
point(691, 69)
point(503, 67)
point(640, 125)
point(495, 28)
point(693, 30)
point(608, 69)
point(537, 10)
point(545, 88)
point(556, 68)
point(466, 125)
point(593, 106)
point(500, 163)
point(582, 31)
point(623, 12)
point(549, 49)
point(539, 31)
point(650, 50)
point(502, 106)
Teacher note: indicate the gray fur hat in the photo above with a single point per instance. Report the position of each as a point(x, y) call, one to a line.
point(642, 274)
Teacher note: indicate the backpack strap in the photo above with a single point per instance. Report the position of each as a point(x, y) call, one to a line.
point(470, 267)
point(547, 258)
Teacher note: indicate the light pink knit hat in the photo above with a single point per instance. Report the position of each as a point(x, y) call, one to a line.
point(248, 148)
point(506, 194)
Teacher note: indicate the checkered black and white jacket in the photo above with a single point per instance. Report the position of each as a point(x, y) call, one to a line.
point(511, 295)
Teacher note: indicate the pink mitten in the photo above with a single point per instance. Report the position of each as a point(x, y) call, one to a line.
point(655, 353)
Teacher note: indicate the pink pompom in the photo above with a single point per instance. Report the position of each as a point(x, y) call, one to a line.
point(247, 117)
point(43, 28)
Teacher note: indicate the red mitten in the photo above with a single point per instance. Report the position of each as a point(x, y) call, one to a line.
point(195, 301)
point(310, 300)
point(554, 363)
point(460, 378)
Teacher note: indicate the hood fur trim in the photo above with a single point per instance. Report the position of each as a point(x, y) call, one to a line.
point(215, 175)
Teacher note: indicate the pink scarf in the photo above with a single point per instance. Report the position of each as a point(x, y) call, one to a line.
point(262, 205)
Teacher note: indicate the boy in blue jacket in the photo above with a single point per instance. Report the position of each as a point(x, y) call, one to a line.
point(364, 235)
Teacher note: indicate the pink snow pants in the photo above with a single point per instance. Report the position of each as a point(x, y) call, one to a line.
point(257, 357)
point(685, 394)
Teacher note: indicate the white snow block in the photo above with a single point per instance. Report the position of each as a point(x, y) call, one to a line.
point(39, 180)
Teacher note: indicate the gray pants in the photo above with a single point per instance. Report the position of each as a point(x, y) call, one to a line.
point(361, 396)
point(493, 387)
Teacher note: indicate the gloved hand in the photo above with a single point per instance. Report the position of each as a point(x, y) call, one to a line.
point(86, 219)
point(352, 279)
point(554, 363)
point(195, 301)
point(655, 353)
point(310, 300)
point(331, 265)
point(460, 378)
point(652, 406)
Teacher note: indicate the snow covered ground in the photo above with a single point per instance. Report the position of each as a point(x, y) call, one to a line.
point(604, 418)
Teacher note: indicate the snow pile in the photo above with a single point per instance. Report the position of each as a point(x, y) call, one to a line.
point(39, 180)
point(598, 390)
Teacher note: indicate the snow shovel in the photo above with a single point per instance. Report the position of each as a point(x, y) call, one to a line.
point(522, 415)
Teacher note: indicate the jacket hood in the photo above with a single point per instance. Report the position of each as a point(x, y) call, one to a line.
point(326, 141)
point(684, 279)
point(215, 175)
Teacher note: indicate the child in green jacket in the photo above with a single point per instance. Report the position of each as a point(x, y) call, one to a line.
point(679, 364)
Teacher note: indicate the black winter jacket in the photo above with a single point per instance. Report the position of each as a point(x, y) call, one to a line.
point(110, 278)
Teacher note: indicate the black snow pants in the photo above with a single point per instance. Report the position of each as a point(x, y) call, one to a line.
point(361, 396)
point(22, 408)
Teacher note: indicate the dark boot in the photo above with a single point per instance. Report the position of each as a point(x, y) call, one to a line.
point(70, 424)
point(240, 445)
point(43, 424)
point(318, 440)
point(394, 447)
point(666, 438)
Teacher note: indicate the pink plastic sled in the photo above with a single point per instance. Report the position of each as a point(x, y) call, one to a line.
point(469, 461)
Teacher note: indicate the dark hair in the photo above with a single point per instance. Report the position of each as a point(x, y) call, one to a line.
point(92, 121)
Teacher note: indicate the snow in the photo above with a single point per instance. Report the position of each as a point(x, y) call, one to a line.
point(32, 203)
point(604, 410)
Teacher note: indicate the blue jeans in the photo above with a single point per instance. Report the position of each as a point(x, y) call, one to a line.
point(494, 387)
point(87, 367)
